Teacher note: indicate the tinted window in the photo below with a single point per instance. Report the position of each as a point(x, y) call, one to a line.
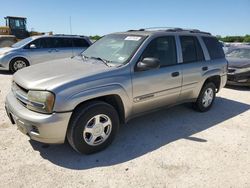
point(214, 47)
point(47, 43)
point(80, 43)
point(191, 49)
point(66, 42)
point(164, 49)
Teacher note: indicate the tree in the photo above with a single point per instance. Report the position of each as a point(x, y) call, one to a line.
point(95, 37)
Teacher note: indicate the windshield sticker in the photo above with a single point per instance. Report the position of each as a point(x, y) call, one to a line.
point(134, 38)
point(121, 58)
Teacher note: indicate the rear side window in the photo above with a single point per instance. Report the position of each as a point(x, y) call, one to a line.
point(80, 43)
point(191, 49)
point(56, 42)
point(66, 43)
point(214, 47)
point(162, 48)
point(47, 43)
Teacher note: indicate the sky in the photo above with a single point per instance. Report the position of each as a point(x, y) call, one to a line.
point(100, 17)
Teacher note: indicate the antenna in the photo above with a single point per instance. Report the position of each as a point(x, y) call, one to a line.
point(70, 25)
point(70, 28)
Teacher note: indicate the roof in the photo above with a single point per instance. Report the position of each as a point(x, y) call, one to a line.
point(15, 17)
point(59, 35)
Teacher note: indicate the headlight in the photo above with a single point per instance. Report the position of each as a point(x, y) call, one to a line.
point(41, 101)
point(241, 70)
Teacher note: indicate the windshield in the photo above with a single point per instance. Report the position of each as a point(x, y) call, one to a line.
point(22, 42)
point(240, 53)
point(116, 49)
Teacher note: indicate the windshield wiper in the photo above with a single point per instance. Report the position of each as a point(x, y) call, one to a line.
point(106, 62)
point(83, 57)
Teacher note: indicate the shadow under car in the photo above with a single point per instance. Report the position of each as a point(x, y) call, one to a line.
point(145, 134)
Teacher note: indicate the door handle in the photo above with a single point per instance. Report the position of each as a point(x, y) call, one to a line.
point(175, 74)
point(204, 68)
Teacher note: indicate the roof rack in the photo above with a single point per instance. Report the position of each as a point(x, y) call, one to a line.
point(171, 29)
point(68, 35)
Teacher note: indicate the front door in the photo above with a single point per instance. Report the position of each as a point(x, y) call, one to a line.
point(39, 51)
point(157, 87)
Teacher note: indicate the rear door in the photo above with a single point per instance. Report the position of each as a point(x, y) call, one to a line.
point(157, 87)
point(192, 66)
point(62, 47)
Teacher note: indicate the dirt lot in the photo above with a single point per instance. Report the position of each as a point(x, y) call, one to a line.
point(177, 147)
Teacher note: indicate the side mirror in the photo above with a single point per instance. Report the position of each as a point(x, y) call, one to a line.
point(32, 46)
point(148, 63)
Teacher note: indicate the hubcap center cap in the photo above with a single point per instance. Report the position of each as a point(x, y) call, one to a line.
point(98, 130)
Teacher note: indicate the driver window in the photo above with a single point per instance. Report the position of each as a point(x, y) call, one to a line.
point(162, 48)
point(36, 42)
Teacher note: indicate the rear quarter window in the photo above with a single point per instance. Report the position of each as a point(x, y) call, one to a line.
point(214, 48)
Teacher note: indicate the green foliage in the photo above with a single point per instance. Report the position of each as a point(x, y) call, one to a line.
point(95, 37)
point(245, 38)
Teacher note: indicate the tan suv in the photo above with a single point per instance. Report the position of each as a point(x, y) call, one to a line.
point(122, 75)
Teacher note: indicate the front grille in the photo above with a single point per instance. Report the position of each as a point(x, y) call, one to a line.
point(20, 93)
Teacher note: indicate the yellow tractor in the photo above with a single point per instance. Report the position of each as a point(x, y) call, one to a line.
point(14, 30)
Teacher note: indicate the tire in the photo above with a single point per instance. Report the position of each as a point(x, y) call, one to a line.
point(204, 103)
point(17, 64)
point(93, 127)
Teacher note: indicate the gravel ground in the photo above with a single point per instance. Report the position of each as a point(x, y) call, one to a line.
point(177, 147)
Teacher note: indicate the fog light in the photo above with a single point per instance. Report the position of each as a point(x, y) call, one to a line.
point(34, 129)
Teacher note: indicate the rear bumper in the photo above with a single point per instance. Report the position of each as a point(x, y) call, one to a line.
point(223, 81)
point(46, 128)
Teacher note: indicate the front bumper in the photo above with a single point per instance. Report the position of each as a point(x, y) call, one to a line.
point(46, 128)
point(242, 79)
point(4, 65)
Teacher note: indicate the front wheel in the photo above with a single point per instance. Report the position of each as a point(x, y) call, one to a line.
point(17, 64)
point(206, 98)
point(93, 127)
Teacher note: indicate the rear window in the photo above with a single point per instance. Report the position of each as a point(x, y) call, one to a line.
point(214, 47)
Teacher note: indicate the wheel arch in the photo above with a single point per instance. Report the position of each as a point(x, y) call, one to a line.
point(216, 80)
point(113, 99)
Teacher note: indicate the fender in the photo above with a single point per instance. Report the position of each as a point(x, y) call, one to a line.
point(70, 103)
point(205, 76)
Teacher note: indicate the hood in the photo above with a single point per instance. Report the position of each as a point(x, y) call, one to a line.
point(5, 50)
point(49, 75)
point(238, 62)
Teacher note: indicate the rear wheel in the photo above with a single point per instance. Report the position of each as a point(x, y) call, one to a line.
point(17, 64)
point(206, 97)
point(93, 127)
